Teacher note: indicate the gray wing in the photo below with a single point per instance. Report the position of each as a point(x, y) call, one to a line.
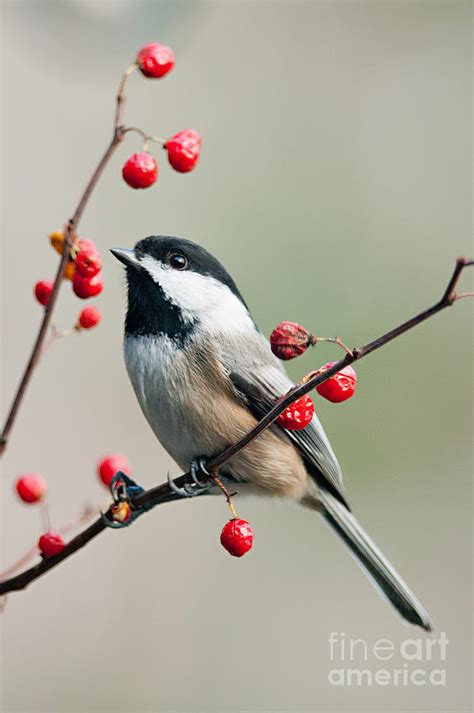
point(259, 383)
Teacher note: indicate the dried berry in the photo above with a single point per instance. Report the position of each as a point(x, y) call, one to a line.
point(289, 340)
point(121, 512)
point(70, 271)
point(57, 241)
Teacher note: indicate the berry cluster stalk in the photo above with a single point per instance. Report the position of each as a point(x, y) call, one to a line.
point(69, 234)
point(140, 171)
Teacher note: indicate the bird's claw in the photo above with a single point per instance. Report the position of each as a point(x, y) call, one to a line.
point(197, 487)
point(199, 465)
point(181, 491)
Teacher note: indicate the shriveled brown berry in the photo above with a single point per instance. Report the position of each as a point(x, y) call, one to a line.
point(289, 340)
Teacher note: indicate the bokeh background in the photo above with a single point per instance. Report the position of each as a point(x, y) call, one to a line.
point(335, 185)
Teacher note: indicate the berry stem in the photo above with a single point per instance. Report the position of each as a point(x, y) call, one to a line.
point(45, 516)
point(135, 130)
point(120, 99)
point(55, 335)
point(147, 138)
point(333, 340)
point(228, 496)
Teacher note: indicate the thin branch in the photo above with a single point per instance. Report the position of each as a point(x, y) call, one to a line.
point(357, 353)
point(163, 493)
point(33, 551)
point(120, 98)
point(146, 137)
point(70, 231)
point(20, 581)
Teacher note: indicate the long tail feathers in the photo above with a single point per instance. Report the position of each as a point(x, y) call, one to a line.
point(374, 562)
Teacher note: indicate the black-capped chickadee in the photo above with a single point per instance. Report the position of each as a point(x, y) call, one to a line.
point(204, 374)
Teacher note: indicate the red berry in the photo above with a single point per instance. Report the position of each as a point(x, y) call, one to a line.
point(339, 387)
point(88, 262)
point(155, 60)
point(289, 339)
point(237, 537)
point(140, 171)
point(183, 150)
point(85, 287)
point(43, 291)
point(297, 415)
point(51, 544)
point(31, 487)
point(109, 465)
point(89, 318)
point(85, 244)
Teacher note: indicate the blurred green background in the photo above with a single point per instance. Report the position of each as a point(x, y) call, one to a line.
point(335, 185)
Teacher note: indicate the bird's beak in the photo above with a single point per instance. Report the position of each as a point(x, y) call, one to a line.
point(126, 256)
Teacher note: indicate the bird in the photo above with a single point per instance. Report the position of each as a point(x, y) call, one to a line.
point(204, 374)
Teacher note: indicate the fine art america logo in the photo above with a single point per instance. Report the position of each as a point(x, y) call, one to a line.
point(411, 662)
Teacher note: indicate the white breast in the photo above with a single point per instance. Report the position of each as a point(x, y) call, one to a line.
point(191, 406)
point(153, 365)
point(185, 396)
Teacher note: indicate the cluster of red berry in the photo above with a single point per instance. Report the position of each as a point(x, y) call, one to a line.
point(32, 488)
point(288, 341)
point(83, 271)
point(141, 169)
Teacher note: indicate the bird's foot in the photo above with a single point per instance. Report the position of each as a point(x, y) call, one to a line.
point(197, 486)
point(122, 512)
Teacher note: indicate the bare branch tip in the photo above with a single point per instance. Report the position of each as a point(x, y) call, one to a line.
point(464, 261)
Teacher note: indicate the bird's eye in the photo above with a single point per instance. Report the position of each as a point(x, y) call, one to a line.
point(177, 261)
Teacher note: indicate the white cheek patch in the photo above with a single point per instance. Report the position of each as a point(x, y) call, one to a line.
point(200, 297)
point(152, 266)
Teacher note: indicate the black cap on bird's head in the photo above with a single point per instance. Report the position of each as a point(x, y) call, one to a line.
point(173, 284)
